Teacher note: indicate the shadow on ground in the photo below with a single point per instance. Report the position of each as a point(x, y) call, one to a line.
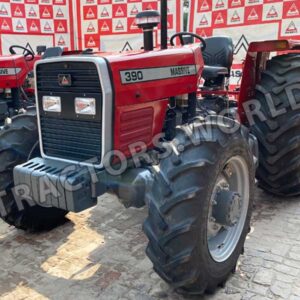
point(99, 254)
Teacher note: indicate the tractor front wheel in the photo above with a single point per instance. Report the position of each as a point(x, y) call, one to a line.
point(18, 143)
point(200, 208)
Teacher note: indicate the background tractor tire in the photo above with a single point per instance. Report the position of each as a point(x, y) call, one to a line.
point(279, 134)
point(18, 143)
point(179, 202)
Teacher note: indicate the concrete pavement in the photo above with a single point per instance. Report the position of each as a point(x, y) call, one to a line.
point(99, 254)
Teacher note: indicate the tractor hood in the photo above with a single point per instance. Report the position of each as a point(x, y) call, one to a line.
point(13, 71)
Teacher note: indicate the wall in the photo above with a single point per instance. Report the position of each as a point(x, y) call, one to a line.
point(36, 22)
point(245, 21)
point(78, 24)
point(109, 25)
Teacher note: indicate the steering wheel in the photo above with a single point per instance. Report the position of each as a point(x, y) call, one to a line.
point(29, 55)
point(182, 34)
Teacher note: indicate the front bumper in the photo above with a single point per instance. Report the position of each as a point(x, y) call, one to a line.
point(51, 183)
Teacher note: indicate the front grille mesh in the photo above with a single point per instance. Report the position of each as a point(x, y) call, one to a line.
point(84, 75)
point(71, 139)
point(67, 135)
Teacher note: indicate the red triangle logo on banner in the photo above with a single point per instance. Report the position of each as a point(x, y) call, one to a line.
point(219, 19)
point(235, 17)
point(104, 27)
point(59, 13)
point(291, 28)
point(18, 12)
point(60, 27)
point(32, 12)
point(33, 27)
point(47, 27)
point(133, 25)
point(204, 6)
point(272, 13)
point(3, 11)
point(46, 13)
point(120, 12)
point(90, 14)
point(19, 26)
point(149, 7)
point(220, 4)
point(61, 41)
point(104, 13)
point(293, 11)
point(91, 42)
point(203, 21)
point(203, 33)
point(119, 26)
point(134, 11)
point(91, 28)
point(253, 15)
point(5, 26)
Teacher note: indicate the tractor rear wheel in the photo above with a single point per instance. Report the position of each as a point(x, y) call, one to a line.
point(200, 208)
point(278, 133)
point(18, 143)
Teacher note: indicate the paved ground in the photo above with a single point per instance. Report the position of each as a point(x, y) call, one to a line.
point(99, 254)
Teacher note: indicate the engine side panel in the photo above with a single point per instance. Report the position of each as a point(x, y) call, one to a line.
point(143, 84)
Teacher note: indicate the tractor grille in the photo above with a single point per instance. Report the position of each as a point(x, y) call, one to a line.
point(67, 135)
point(71, 139)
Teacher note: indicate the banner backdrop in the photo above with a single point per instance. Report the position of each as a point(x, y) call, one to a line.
point(109, 25)
point(36, 22)
point(245, 21)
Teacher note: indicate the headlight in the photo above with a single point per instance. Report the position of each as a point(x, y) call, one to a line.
point(85, 106)
point(52, 103)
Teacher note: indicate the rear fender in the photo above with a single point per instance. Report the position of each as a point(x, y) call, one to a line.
point(257, 55)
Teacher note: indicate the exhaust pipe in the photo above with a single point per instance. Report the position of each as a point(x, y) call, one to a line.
point(164, 24)
point(147, 20)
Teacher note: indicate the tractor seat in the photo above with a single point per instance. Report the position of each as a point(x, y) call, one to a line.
point(218, 57)
point(213, 72)
point(52, 52)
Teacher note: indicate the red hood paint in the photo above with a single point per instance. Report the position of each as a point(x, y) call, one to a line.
point(21, 67)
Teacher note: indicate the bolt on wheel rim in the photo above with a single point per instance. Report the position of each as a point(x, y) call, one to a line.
point(223, 238)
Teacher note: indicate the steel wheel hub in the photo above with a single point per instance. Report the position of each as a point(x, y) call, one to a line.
point(228, 209)
point(227, 206)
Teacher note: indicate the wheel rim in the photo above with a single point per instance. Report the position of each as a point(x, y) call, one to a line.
point(233, 184)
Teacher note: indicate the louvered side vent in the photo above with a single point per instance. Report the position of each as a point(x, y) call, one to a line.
point(67, 135)
point(136, 126)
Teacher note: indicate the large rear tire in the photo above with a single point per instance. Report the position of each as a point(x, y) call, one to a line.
point(186, 245)
point(18, 143)
point(279, 135)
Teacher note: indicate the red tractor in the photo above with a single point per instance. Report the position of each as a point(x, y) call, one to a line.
point(16, 85)
point(137, 125)
point(18, 134)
